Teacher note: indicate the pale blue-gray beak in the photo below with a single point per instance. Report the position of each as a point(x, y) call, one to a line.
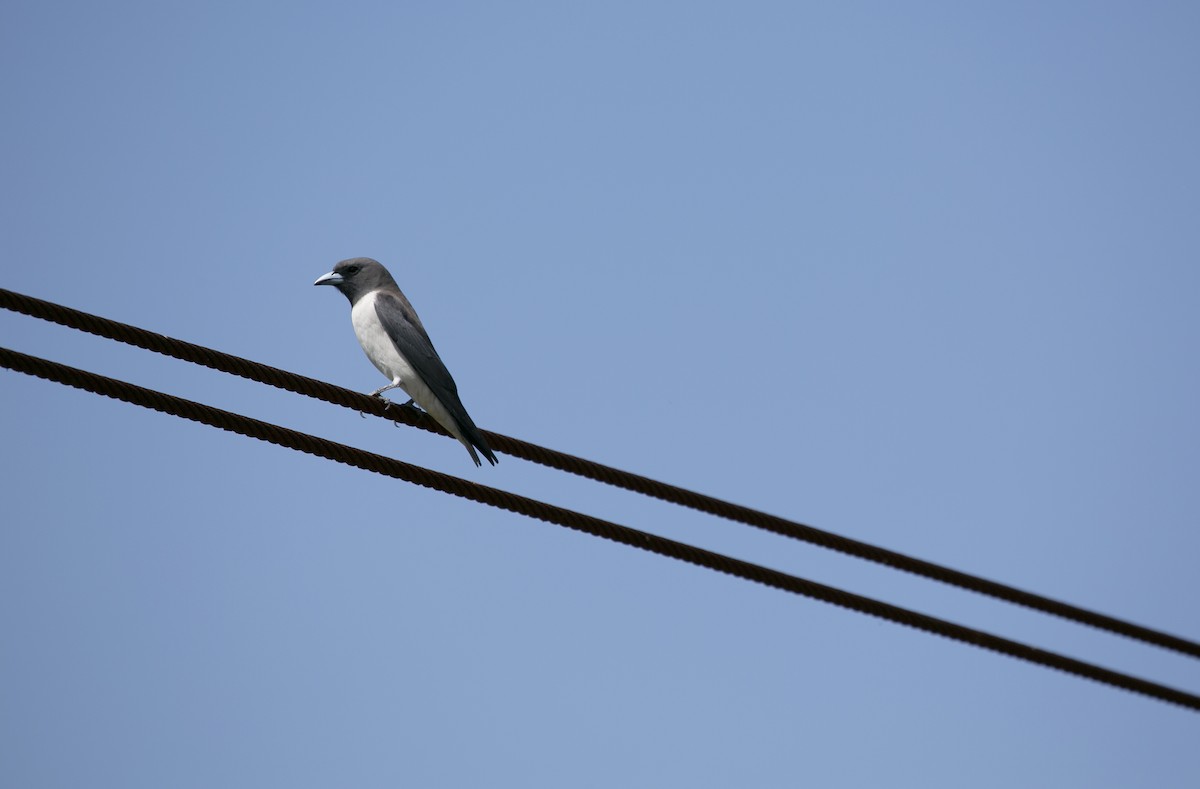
point(330, 279)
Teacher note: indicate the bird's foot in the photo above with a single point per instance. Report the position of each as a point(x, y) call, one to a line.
point(389, 403)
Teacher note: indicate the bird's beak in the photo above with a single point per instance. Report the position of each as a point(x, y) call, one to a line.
point(331, 278)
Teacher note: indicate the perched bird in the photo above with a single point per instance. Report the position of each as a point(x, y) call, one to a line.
point(390, 332)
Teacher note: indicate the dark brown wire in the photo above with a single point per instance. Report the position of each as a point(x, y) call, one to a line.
point(351, 456)
point(198, 354)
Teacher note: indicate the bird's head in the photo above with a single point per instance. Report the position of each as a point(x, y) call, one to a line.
point(357, 277)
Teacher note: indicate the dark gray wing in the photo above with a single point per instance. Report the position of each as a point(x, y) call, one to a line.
point(406, 332)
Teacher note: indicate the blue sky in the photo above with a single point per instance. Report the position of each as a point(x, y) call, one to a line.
point(921, 274)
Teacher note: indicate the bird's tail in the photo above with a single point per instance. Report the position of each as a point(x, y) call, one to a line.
point(471, 435)
point(462, 427)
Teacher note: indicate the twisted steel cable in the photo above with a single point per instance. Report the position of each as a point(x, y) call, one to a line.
point(351, 456)
point(310, 387)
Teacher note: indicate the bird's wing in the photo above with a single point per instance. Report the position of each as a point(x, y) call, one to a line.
point(404, 328)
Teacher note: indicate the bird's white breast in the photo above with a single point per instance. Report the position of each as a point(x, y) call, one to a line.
point(378, 345)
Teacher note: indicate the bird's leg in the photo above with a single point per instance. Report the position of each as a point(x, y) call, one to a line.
point(388, 403)
point(379, 392)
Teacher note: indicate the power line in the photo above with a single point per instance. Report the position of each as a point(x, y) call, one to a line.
point(311, 387)
point(494, 497)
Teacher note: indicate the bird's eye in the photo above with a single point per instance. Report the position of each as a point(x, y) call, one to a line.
point(351, 269)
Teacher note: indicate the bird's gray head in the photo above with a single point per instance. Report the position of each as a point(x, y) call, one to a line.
point(357, 277)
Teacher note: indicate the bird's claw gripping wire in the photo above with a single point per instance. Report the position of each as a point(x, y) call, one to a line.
point(388, 404)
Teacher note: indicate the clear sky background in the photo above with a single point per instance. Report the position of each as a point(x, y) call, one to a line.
point(922, 274)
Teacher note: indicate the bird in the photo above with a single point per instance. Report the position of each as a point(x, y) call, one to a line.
point(394, 339)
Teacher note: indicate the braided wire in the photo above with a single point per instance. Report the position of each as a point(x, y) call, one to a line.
point(311, 387)
point(351, 456)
